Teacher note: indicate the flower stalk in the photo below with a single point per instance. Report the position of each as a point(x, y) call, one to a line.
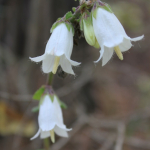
point(50, 78)
point(46, 144)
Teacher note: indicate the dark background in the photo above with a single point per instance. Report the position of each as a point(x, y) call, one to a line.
point(108, 107)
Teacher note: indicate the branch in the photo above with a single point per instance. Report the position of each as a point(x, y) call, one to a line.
point(120, 138)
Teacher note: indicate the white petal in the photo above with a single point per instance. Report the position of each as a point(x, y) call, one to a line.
point(59, 116)
point(108, 30)
point(115, 42)
point(108, 52)
point(45, 134)
point(137, 38)
point(36, 135)
point(73, 63)
point(101, 54)
point(69, 48)
point(60, 132)
point(37, 59)
point(125, 45)
point(48, 63)
point(58, 110)
point(66, 65)
point(53, 45)
point(47, 115)
point(59, 41)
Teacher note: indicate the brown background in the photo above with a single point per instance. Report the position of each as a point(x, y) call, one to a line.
point(108, 107)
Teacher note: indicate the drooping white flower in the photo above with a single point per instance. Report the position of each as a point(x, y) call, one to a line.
point(50, 120)
point(58, 51)
point(110, 34)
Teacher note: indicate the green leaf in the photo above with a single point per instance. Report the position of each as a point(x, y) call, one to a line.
point(35, 109)
point(69, 15)
point(37, 95)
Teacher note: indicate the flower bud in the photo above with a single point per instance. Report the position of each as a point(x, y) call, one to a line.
point(87, 27)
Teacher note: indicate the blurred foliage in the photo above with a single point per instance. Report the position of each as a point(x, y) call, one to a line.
point(131, 16)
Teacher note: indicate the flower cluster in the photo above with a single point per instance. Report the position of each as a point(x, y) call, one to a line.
point(102, 30)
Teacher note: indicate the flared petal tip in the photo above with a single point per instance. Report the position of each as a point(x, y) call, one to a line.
point(101, 55)
point(32, 59)
point(32, 138)
point(103, 64)
point(36, 135)
point(68, 129)
point(66, 134)
point(96, 61)
point(137, 38)
point(37, 59)
point(76, 64)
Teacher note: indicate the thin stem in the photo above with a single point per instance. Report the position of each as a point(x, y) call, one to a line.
point(46, 144)
point(50, 79)
point(79, 8)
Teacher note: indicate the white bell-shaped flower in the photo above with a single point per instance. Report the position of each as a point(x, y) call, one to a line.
point(110, 35)
point(58, 51)
point(50, 120)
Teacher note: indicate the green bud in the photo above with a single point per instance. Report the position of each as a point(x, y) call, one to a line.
point(96, 44)
point(89, 31)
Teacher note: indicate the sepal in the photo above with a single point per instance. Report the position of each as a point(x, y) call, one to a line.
point(106, 7)
point(42, 91)
point(94, 10)
point(62, 104)
point(52, 97)
point(38, 94)
point(69, 27)
point(35, 109)
point(100, 4)
point(55, 25)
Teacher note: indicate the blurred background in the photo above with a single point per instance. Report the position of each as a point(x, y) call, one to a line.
point(108, 107)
